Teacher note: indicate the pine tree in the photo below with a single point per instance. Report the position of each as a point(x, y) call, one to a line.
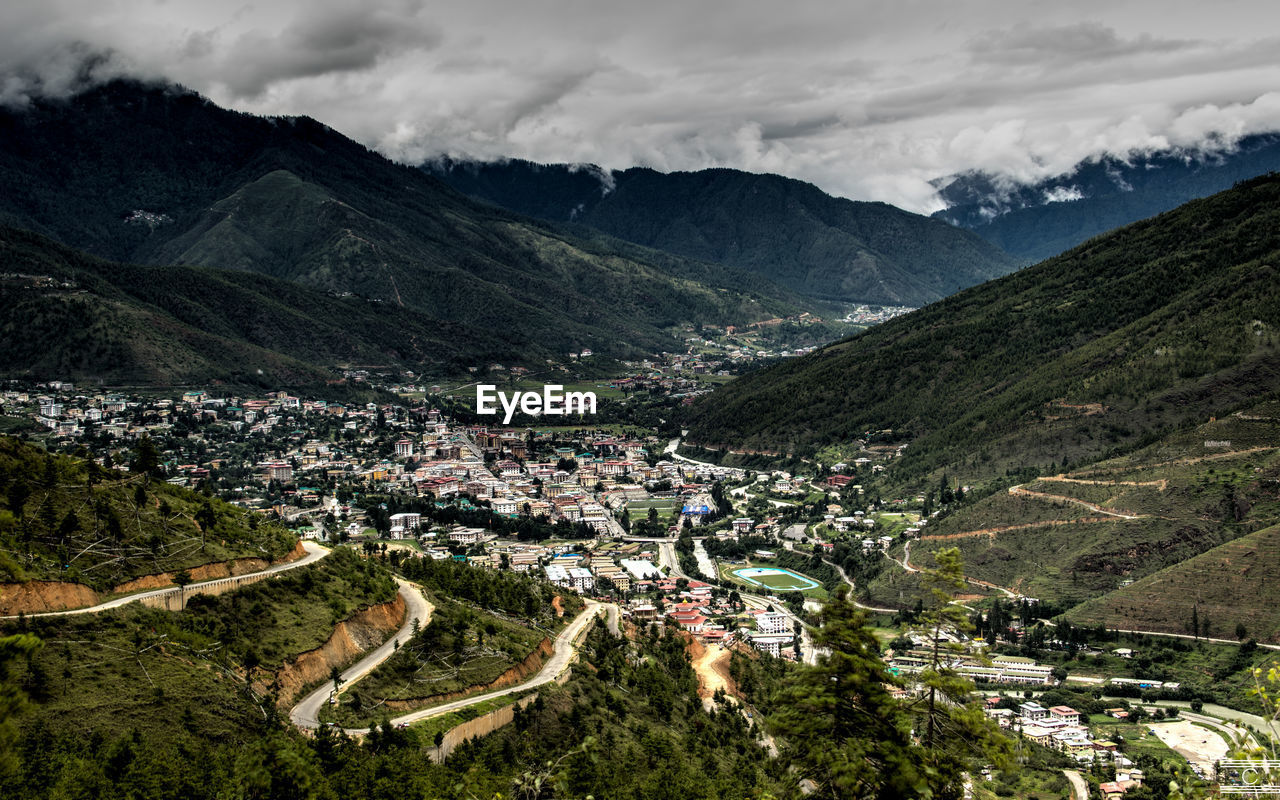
point(843, 729)
point(951, 727)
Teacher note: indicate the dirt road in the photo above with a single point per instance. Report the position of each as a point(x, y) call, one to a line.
point(712, 668)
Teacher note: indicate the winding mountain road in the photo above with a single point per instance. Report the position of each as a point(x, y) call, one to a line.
point(1062, 498)
point(314, 553)
point(306, 714)
point(417, 609)
point(853, 589)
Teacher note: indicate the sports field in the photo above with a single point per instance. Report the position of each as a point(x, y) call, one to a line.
point(776, 578)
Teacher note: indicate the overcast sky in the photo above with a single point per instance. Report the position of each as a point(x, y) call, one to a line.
point(869, 100)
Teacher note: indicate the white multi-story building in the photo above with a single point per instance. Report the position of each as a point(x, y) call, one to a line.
point(771, 644)
point(557, 575)
point(1033, 712)
point(408, 520)
point(581, 579)
point(772, 623)
point(467, 536)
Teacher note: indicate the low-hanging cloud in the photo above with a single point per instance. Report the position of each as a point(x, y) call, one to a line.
point(867, 100)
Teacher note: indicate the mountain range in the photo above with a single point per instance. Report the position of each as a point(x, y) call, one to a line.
point(1034, 222)
point(157, 175)
point(783, 229)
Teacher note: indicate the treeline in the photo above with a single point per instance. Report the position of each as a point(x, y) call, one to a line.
point(510, 592)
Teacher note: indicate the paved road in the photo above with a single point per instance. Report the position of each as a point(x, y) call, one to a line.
point(852, 588)
point(1189, 636)
point(906, 558)
point(613, 619)
point(741, 491)
point(306, 714)
point(1079, 788)
point(565, 652)
point(705, 565)
point(667, 557)
point(671, 451)
point(314, 553)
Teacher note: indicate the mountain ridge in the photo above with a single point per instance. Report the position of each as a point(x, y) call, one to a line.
point(69, 314)
point(784, 229)
point(1043, 219)
point(152, 174)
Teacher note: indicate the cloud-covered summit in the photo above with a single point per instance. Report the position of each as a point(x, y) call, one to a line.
point(867, 100)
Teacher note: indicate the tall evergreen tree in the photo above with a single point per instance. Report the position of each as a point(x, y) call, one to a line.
point(838, 722)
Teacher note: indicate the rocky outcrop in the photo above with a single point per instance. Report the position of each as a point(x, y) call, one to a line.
point(353, 636)
point(37, 596)
point(519, 673)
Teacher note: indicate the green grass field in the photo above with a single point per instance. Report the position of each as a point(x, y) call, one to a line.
point(782, 581)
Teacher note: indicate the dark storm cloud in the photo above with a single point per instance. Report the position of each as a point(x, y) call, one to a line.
point(320, 41)
point(866, 99)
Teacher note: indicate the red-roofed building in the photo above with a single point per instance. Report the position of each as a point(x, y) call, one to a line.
point(1114, 790)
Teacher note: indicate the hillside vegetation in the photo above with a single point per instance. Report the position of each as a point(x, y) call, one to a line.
point(145, 703)
point(1182, 529)
point(462, 649)
point(64, 314)
point(1161, 324)
point(67, 519)
point(783, 229)
point(157, 671)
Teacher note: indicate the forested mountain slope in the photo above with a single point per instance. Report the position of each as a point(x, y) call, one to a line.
point(64, 314)
point(1165, 322)
point(159, 175)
